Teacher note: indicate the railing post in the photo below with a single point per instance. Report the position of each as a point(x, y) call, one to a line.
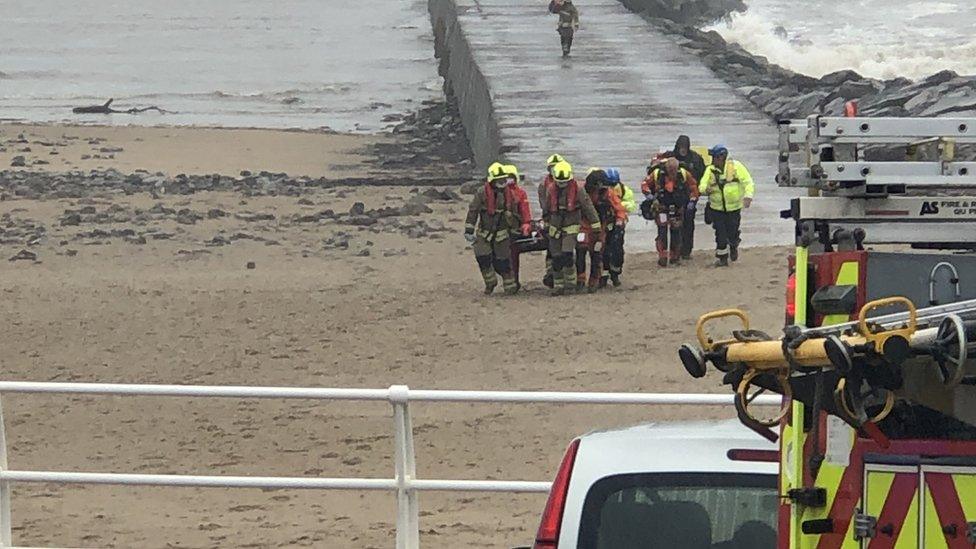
point(408, 514)
point(6, 538)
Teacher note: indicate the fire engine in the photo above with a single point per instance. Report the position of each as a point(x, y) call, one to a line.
point(877, 428)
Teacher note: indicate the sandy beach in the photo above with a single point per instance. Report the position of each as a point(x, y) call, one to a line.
point(131, 288)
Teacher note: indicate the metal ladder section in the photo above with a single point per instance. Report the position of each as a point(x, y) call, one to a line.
point(927, 200)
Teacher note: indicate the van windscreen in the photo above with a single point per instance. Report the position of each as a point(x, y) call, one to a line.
point(687, 510)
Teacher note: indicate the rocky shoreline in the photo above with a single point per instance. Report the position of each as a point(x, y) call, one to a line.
point(784, 94)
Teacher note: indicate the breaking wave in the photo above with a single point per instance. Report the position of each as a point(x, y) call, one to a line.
point(913, 40)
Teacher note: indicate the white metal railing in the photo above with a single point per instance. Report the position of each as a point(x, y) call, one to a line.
point(405, 482)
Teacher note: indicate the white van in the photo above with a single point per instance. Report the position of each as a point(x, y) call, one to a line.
point(687, 485)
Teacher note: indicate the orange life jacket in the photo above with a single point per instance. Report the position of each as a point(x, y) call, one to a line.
point(552, 193)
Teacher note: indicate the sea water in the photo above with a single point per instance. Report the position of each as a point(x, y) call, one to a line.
point(337, 64)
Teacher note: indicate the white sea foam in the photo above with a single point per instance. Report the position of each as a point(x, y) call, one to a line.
point(882, 39)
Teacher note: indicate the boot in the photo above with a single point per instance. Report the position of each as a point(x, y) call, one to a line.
point(662, 262)
point(593, 285)
point(491, 280)
point(686, 257)
point(615, 278)
point(722, 261)
point(569, 276)
point(603, 281)
point(734, 253)
point(547, 280)
point(511, 285)
point(580, 282)
point(558, 288)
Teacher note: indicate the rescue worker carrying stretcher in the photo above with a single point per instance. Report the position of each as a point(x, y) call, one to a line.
point(493, 215)
point(613, 253)
point(612, 216)
point(564, 205)
point(525, 216)
point(729, 188)
point(669, 189)
point(550, 162)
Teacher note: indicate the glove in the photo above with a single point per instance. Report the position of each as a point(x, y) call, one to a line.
point(469, 237)
point(691, 206)
point(526, 229)
point(620, 223)
point(598, 246)
point(747, 202)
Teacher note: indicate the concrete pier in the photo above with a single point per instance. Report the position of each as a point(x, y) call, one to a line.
point(624, 93)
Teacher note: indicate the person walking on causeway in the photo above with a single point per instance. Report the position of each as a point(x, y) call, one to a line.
point(494, 214)
point(565, 204)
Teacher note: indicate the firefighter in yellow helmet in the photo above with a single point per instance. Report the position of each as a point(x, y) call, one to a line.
point(564, 205)
point(494, 214)
point(729, 188)
point(550, 162)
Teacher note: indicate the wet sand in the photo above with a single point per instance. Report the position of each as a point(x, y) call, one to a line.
point(329, 304)
point(185, 150)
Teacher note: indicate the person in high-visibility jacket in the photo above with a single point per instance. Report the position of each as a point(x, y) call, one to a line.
point(729, 188)
point(493, 215)
point(564, 204)
point(613, 255)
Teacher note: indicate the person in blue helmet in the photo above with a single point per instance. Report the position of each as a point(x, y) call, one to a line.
point(729, 188)
point(613, 255)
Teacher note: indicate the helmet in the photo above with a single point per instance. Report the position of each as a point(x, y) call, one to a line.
point(496, 171)
point(511, 171)
point(554, 159)
point(718, 150)
point(613, 175)
point(562, 171)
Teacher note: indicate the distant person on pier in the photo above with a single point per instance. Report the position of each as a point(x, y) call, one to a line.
point(568, 22)
point(694, 163)
point(729, 188)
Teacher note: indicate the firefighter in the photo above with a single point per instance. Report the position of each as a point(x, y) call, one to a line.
point(550, 162)
point(524, 213)
point(672, 187)
point(568, 22)
point(565, 205)
point(613, 254)
point(729, 188)
point(496, 212)
point(694, 163)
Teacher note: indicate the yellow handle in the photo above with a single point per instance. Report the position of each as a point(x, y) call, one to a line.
point(841, 402)
point(878, 339)
point(862, 317)
point(743, 401)
point(706, 343)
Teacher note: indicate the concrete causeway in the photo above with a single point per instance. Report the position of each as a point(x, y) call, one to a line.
point(624, 93)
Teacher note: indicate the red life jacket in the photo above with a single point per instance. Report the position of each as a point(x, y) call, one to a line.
point(552, 193)
point(510, 198)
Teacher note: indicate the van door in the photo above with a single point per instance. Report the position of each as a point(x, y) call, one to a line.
point(891, 507)
point(949, 518)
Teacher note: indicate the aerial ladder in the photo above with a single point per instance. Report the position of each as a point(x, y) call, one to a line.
point(877, 427)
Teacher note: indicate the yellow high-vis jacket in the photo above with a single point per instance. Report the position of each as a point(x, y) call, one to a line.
point(626, 196)
point(726, 190)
